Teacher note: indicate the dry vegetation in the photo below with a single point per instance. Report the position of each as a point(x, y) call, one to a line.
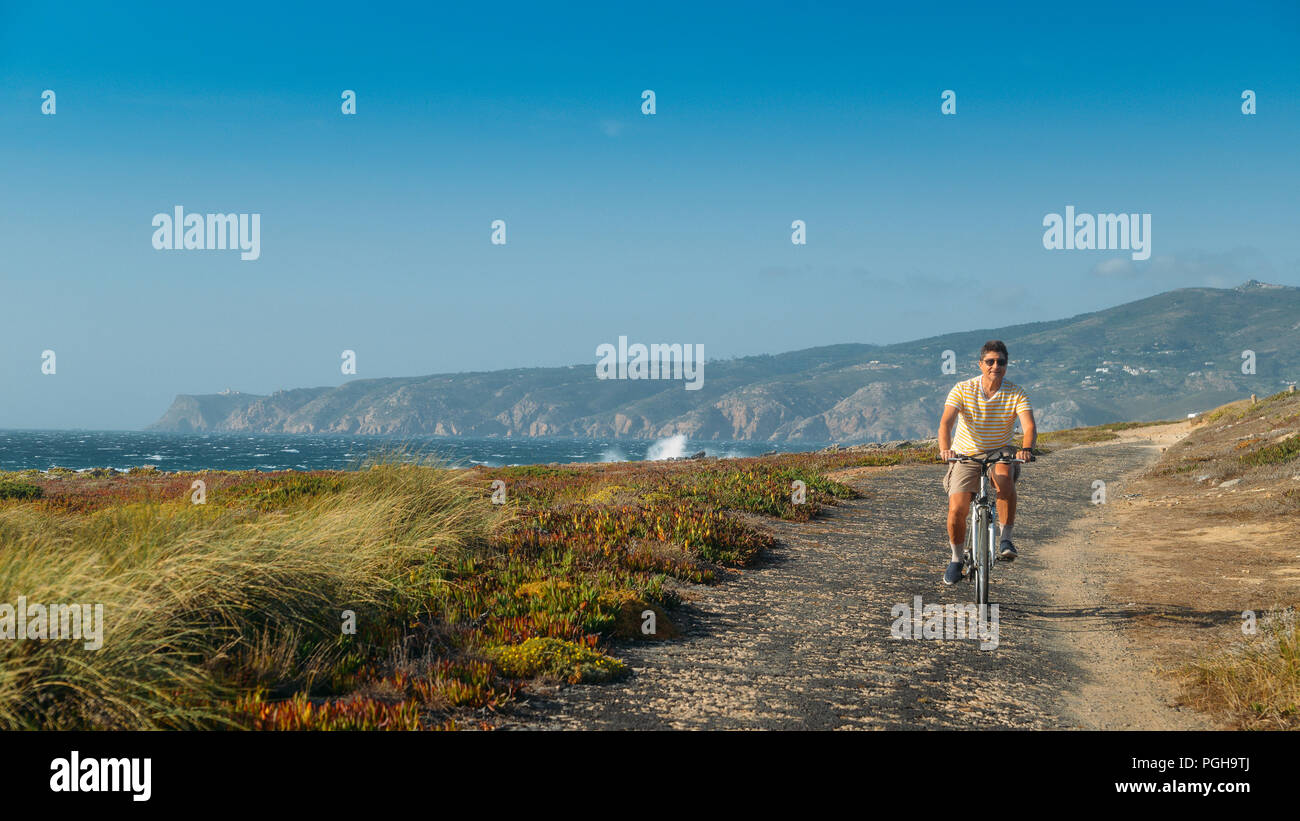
point(230, 613)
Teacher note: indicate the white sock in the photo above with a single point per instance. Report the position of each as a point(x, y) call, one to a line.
point(1006, 533)
point(956, 552)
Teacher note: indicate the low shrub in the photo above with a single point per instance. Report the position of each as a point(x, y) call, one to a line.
point(566, 659)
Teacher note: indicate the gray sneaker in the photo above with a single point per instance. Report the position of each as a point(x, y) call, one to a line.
point(1007, 551)
point(953, 574)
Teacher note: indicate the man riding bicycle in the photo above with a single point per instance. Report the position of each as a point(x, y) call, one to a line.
point(985, 409)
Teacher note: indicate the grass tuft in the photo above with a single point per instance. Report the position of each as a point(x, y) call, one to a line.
point(190, 594)
point(1257, 681)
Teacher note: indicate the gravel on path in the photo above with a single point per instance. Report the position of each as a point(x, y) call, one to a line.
point(802, 640)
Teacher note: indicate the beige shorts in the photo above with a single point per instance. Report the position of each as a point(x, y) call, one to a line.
point(964, 477)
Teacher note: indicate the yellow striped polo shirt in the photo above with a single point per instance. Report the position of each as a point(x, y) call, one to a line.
point(985, 424)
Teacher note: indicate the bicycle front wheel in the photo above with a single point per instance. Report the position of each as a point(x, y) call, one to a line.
point(982, 521)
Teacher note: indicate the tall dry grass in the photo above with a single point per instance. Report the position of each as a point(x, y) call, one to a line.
point(196, 596)
point(1256, 681)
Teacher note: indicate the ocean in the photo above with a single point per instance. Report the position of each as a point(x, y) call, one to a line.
point(81, 450)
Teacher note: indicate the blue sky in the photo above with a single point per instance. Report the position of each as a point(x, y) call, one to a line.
point(671, 228)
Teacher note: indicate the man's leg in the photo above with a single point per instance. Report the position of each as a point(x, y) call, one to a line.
point(958, 512)
point(958, 509)
point(1006, 494)
point(1005, 483)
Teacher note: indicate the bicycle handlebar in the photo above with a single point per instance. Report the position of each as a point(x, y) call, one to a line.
point(962, 457)
point(990, 462)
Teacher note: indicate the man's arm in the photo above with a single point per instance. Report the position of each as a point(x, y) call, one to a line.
point(946, 422)
point(1030, 429)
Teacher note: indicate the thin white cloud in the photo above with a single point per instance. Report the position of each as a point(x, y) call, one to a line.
point(1190, 269)
point(1115, 267)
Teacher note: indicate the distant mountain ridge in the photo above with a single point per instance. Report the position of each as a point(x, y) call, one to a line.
point(1141, 360)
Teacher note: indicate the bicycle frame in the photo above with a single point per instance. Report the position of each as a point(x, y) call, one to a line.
point(983, 529)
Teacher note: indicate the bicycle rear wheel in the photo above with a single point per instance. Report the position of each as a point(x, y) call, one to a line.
point(982, 556)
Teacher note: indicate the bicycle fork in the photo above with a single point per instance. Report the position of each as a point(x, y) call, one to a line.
point(973, 525)
point(993, 531)
point(994, 527)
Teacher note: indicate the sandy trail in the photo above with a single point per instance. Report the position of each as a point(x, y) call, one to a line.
point(1117, 688)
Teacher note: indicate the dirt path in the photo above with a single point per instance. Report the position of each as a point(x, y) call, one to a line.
point(1117, 689)
point(803, 640)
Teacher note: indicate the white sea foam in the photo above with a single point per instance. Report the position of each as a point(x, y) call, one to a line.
point(667, 448)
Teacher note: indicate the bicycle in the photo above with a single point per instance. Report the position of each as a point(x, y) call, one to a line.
point(982, 529)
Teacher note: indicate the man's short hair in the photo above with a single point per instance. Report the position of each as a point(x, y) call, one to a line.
point(994, 346)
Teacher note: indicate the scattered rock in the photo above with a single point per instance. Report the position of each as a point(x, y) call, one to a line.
point(895, 444)
point(1230, 483)
point(699, 455)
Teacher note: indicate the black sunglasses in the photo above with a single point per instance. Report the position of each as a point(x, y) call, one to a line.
point(992, 362)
